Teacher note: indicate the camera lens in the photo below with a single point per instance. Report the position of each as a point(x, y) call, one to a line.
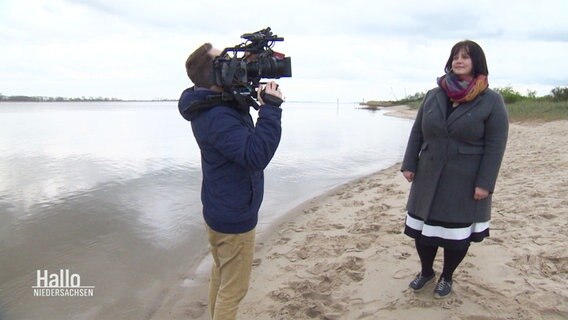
point(270, 68)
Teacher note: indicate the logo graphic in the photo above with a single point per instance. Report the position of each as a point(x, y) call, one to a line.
point(62, 284)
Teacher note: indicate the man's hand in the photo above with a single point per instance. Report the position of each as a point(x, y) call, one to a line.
point(270, 94)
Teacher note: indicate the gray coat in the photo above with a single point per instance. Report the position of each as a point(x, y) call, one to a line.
point(451, 157)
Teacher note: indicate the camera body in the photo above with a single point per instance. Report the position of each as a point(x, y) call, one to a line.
point(240, 73)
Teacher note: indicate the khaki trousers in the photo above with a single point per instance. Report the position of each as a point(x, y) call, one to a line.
point(230, 274)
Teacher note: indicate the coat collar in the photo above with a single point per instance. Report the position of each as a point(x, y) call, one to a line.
point(441, 98)
point(464, 108)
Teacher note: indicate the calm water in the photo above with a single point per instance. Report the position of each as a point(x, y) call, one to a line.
point(111, 191)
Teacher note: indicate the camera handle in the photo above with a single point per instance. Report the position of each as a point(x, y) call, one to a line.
point(270, 99)
point(245, 101)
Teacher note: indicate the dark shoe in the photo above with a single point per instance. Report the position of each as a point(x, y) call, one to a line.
point(419, 282)
point(443, 289)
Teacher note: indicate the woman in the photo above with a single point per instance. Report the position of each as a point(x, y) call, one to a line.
point(453, 157)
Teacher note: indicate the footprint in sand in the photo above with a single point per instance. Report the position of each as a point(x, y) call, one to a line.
point(548, 216)
point(354, 203)
point(316, 296)
point(403, 256)
point(311, 210)
point(361, 228)
point(280, 295)
point(345, 195)
point(353, 268)
point(320, 268)
point(403, 273)
point(282, 240)
point(195, 309)
point(425, 299)
point(291, 226)
point(365, 241)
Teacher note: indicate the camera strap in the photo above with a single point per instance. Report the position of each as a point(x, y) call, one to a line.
point(231, 71)
point(244, 102)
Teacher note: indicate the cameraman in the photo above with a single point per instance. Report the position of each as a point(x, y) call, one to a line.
point(234, 153)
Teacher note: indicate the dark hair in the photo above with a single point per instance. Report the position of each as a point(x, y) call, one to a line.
point(476, 54)
point(199, 65)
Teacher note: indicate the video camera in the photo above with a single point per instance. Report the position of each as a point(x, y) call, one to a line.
point(240, 75)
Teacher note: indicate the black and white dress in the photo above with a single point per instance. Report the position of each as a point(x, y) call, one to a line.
point(445, 234)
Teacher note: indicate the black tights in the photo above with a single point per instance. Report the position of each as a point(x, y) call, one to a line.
point(452, 259)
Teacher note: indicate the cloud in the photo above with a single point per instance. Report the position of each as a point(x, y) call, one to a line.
point(361, 49)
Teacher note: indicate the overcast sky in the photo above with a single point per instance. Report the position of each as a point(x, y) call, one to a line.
point(347, 50)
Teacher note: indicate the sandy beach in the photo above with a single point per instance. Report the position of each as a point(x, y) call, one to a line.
point(342, 255)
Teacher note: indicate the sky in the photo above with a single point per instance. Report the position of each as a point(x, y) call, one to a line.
point(347, 51)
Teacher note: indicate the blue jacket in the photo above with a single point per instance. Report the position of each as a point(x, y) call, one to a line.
point(234, 153)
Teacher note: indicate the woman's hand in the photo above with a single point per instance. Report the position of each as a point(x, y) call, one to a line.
point(480, 193)
point(408, 175)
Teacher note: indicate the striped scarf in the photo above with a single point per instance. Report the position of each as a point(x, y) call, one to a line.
point(462, 91)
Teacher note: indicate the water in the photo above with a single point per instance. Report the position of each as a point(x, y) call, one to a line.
point(111, 191)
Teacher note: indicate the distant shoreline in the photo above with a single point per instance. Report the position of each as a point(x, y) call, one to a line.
point(49, 99)
point(86, 100)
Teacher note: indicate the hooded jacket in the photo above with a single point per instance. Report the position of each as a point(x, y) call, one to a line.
point(234, 153)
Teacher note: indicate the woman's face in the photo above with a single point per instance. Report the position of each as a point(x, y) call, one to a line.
point(462, 65)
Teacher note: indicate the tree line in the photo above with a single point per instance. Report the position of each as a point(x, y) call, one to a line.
point(509, 95)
